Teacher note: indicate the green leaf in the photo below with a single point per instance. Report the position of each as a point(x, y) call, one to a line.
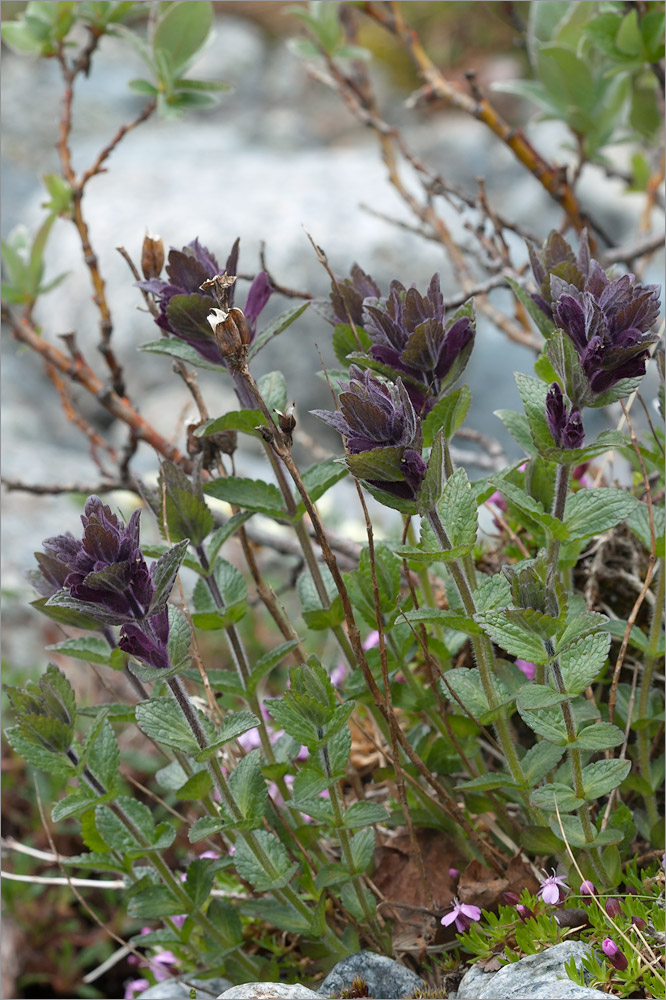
point(66, 615)
point(104, 756)
point(344, 341)
point(164, 573)
point(227, 922)
point(546, 797)
point(540, 840)
point(364, 814)
point(143, 87)
point(564, 358)
point(246, 421)
point(204, 827)
point(181, 30)
point(219, 537)
point(535, 696)
point(362, 846)
point(268, 662)
point(273, 389)
point(466, 684)
point(233, 726)
point(301, 729)
point(252, 494)
point(591, 512)
point(447, 415)
point(395, 503)
point(600, 736)
point(116, 835)
point(486, 782)
point(315, 615)
point(457, 509)
point(494, 592)
point(531, 509)
point(162, 720)
point(318, 808)
point(233, 591)
point(603, 776)
point(432, 486)
point(175, 348)
point(383, 464)
point(573, 830)
point(85, 647)
point(533, 393)
point(512, 634)
point(539, 760)
point(639, 522)
point(187, 515)
point(546, 722)
point(581, 663)
point(199, 881)
point(73, 805)
point(332, 874)
point(350, 901)
point(320, 477)
point(544, 325)
point(153, 902)
point(277, 327)
point(519, 429)
point(274, 874)
point(450, 619)
point(196, 788)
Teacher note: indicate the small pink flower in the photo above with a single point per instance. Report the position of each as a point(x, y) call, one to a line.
point(134, 987)
point(550, 890)
point(527, 668)
point(371, 640)
point(587, 888)
point(497, 500)
point(524, 912)
point(338, 674)
point(463, 914)
point(454, 874)
point(613, 954)
point(210, 854)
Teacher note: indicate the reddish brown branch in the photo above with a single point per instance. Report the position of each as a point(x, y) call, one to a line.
point(78, 370)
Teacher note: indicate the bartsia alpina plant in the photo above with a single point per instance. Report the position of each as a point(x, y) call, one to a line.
point(565, 426)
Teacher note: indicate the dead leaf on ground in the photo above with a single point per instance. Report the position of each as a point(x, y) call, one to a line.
point(482, 887)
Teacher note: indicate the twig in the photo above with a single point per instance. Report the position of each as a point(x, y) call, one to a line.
point(628, 254)
point(79, 371)
point(290, 293)
point(550, 177)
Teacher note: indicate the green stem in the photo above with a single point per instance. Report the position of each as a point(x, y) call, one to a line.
point(286, 894)
point(483, 653)
point(174, 884)
point(645, 691)
point(343, 836)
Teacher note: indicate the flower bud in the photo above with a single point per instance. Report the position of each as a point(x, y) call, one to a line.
point(587, 888)
point(454, 874)
point(231, 332)
point(613, 907)
point(510, 898)
point(639, 923)
point(613, 954)
point(524, 912)
point(152, 256)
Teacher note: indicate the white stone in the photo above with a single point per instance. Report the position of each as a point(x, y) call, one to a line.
point(269, 991)
point(535, 977)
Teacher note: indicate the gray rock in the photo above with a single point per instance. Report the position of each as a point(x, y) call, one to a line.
point(268, 991)
point(175, 989)
point(536, 977)
point(385, 978)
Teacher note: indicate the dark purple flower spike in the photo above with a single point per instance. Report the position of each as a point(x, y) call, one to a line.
point(607, 319)
point(184, 305)
point(410, 336)
point(566, 427)
point(382, 429)
point(106, 566)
